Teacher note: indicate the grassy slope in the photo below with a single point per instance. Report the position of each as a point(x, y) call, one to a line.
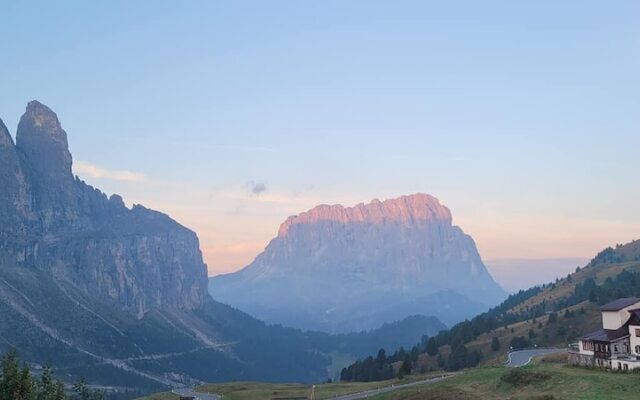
point(256, 390)
point(564, 382)
point(161, 396)
point(565, 288)
point(548, 334)
point(259, 390)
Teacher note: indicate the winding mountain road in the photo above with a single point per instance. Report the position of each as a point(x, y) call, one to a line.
point(521, 358)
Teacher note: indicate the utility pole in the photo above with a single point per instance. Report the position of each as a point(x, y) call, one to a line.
point(313, 392)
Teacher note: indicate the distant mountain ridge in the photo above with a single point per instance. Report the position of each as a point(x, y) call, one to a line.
point(342, 269)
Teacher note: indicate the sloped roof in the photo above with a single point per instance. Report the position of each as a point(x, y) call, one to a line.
point(607, 335)
point(619, 304)
point(610, 335)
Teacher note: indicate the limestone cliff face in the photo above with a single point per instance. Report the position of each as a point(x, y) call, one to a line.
point(376, 255)
point(51, 220)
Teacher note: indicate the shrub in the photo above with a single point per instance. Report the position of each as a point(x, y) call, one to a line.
point(522, 377)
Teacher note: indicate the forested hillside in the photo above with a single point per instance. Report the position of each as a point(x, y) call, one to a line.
point(554, 314)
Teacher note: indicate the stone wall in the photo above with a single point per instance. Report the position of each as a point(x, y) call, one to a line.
point(583, 360)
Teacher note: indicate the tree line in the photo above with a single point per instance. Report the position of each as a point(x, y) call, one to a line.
point(18, 383)
point(375, 369)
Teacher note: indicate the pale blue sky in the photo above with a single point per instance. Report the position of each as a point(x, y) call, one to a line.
point(523, 118)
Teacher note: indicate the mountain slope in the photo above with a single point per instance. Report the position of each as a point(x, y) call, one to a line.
point(557, 313)
point(113, 293)
point(341, 269)
point(554, 314)
point(119, 296)
point(140, 258)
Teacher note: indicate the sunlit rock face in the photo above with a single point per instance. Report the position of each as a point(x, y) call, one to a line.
point(51, 220)
point(341, 268)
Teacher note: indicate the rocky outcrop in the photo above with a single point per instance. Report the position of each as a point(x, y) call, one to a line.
point(347, 264)
point(51, 220)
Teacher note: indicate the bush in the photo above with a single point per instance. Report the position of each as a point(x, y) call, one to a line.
point(522, 377)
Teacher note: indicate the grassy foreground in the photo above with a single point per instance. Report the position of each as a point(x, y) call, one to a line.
point(256, 390)
point(548, 379)
point(160, 396)
point(260, 391)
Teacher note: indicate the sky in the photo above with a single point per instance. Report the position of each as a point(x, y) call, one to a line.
point(522, 117)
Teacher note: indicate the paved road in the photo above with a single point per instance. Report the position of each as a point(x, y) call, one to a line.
point(520, 358)
point(197, 396)
point(375, 392)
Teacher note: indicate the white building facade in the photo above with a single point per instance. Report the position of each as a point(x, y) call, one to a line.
point(617, 345)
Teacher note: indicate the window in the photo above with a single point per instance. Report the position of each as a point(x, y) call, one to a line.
point(637, 332)
point(615, 348)
point(638, 349)
point(626, 367)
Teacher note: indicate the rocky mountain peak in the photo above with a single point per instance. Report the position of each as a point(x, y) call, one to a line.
point(42, 115)
point(341, 268)
point(44, 143)
point(409, 209)
point(139, 258)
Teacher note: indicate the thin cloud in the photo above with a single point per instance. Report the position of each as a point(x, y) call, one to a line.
point(94, 171)
point(257, 188)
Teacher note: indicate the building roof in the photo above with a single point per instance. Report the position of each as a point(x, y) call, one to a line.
point(619, 304)
point(611, 335)
point(607, 335)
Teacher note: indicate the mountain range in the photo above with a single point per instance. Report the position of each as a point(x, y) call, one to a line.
point(341, 269)
point(119, 295)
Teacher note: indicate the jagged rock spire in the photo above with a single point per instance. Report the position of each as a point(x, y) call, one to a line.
point(42, 139)
point(43, 143)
